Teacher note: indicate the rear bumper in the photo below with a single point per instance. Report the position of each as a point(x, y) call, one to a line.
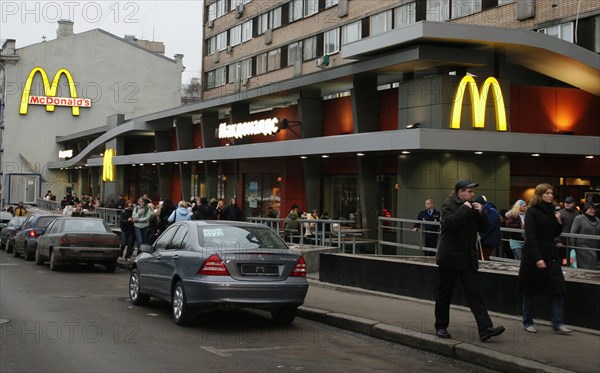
point(268, 295)
point(86, 254)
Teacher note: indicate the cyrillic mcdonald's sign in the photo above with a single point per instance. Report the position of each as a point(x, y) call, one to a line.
point(108, 170)
point(478, 103)
point(49, 99)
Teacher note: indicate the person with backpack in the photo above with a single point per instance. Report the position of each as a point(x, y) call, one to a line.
point(491, 239)
point(181, 213)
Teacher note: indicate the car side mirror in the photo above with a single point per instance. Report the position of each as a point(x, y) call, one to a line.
point(145, 248)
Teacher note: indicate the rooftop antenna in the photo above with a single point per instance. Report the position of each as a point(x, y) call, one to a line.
point(43, 38)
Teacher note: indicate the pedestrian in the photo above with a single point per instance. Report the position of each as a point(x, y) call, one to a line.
point(20, 210)
point(587, 248)
point(291, 226)
point(431, 235)
point(456, 258)
point(201, 210)
point(165, 209)
point(491, 239)
point(515, 218)
point(567, 216)
point(540, 272)
point(141, 220)
point(233, 211)
point(78, 211)
point(219, 211)
point(127, 230)
point(181, 213)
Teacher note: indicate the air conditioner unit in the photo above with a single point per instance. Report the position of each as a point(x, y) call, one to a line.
point(229, 49)
point(319, 62)
point(239, 10)
point(245, 81)
point(210, 23)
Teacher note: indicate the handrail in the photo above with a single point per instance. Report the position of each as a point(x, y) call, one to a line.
point(320, 231)
point(49, 205)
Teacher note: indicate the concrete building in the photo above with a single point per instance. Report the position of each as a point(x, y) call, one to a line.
point(114, 80)
point(362, 107)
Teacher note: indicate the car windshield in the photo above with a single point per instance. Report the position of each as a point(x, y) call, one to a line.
point(239, 237)
point(84, 226)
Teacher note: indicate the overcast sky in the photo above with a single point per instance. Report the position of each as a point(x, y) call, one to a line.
point(178, 24)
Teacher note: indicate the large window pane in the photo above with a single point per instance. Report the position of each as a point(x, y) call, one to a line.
point(311, 7)
point(222, 41)
point(235, 35)
point(233, 72)
point(462, 8)
point(220, 76)
point(296, 10)
point(246, 68)
point(437, 11)
point(405, 15)
point(309, 48)
point(294, 53)
point(274, 58)
point(330, 3)
point(247, 31)
point(263, 23)
point(332, 41)
point(381, 22)
point(210, 80)
point(261, 63)
point(351, 32)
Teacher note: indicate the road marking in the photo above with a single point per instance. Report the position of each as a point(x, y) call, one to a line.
point(227, 352)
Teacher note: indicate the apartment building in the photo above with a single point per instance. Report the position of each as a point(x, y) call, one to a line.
point(363, 107)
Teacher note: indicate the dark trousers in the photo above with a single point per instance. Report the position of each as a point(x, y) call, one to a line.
point(127, 239)
point(472, 292)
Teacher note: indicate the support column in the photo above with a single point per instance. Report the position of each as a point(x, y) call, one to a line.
point(310, 113)
point(184, 131)
point(312, 183)
point(365, 103)
point(368, 192)
point(210, 123)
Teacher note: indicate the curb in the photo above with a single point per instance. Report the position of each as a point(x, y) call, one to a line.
point(426, 342)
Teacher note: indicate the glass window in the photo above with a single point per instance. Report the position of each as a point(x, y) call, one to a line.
point(261, 63)
point(246, 68)
point(222, 41)
point(501, 2)
point(309, 48)
point(294, 53)
point(246, 31)
point(274, 60)
point(351, 32)
point(330, 3)
point(239, 237)
point(563, 31)
point(380, 23)
point(437, 11)
point(210, 79)
point(221, 8)
point(271, 19)
point(405, 15)
point(597, 38)
point(262, 23)
point(275, 18)
point(179, 241)
point(212, 12)
point(462, 8)
point(211, 46)
point(311, 7)
point(296, 10)
point(220, 76)
point(332, 41)
point(235, 35)
point(164, 240)
point(234, 72)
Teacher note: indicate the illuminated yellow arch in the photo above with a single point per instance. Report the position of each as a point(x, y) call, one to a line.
point(478, 103)
point(108, 169)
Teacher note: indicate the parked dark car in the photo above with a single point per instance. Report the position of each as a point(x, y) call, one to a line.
point(74, 240)
point(7, 235)
point(26, 239)
point(206, 265)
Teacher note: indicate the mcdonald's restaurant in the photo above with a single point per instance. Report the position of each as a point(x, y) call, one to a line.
point(417, 109)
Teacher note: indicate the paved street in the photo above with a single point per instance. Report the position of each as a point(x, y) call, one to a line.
point(80, 320)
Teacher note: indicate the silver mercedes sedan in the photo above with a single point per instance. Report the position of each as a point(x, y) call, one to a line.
point(200, 266)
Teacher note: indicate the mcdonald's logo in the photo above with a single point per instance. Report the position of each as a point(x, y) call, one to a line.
point(49, 99)
point(478, 103)
point(108, 169)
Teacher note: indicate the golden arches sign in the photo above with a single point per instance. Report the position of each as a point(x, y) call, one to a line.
point(108, 169)
point(49, 99)
point(478, 103)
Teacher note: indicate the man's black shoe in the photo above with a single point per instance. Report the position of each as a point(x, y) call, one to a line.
point(491, 331)
point(443, 333)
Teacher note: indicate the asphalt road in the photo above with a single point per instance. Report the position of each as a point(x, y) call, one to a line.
point(80, 320)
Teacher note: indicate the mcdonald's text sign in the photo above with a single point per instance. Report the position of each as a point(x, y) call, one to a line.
point(49, 99)
point(478, 103)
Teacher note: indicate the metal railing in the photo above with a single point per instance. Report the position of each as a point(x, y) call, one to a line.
point(110, 216)
point(45, 204)
point(312, 231)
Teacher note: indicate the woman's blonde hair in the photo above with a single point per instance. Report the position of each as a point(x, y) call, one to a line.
point(182, 204)
point(516, 208)
point(539, 191)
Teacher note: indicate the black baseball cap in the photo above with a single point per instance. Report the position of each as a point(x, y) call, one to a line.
point(569, 199)
point(464, 183)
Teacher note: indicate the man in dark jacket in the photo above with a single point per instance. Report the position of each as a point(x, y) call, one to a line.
point(127, 231)
point(429, 214)
point(457, 259)
point(491, 239)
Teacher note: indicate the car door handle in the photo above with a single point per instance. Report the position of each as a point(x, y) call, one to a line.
point(157, 257)
point(175, 257)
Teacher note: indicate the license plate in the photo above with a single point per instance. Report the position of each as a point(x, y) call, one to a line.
point(259, 270)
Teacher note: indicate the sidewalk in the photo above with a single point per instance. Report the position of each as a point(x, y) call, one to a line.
point(409, 321)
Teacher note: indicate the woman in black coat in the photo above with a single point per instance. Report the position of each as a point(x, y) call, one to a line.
point(541, 272)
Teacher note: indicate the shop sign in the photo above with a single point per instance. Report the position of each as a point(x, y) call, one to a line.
point(108, 169)
point(49, 99)
point(478, 103)
point(265, 127)
point(64, 154)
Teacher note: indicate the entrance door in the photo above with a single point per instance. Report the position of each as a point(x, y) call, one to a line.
point(24, 187)
point(31, 188)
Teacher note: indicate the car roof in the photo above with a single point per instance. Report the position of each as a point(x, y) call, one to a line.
point(228, 223)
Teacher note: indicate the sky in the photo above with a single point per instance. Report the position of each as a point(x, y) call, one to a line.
point(178, 24)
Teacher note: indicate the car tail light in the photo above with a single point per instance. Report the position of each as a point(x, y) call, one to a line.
point(33, 234)
point(63, 241)
point(299, 268)
point(213, 266)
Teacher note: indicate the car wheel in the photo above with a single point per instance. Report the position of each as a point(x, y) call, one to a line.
point(53, 263)
point(182, 314)
point(38, 259)
point(28, 257)
point(135, 295)
point(284, 315)
point(110, 267)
